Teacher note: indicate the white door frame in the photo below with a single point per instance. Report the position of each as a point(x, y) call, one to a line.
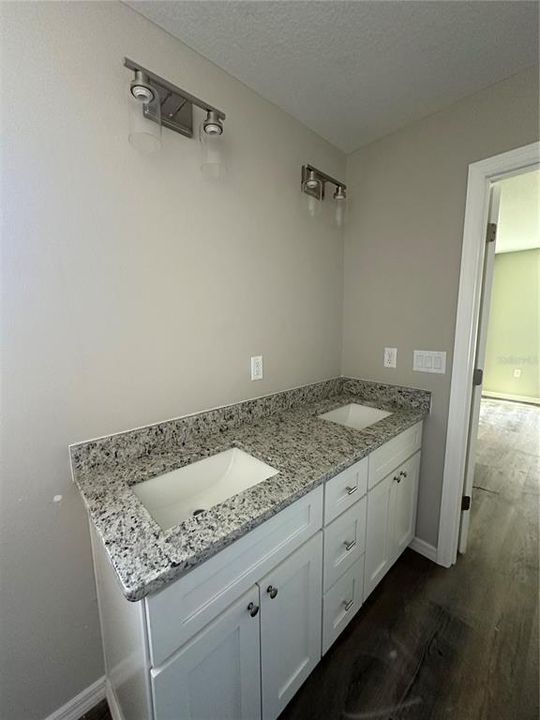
point(481, 175)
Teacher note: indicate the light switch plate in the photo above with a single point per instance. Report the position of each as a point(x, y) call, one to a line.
point(430, 361)
point(257, 367)
point(390, 357)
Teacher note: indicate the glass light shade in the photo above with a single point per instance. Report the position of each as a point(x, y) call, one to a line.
point(212, 155)
point(145, 124)
point(341, 210)
point(312, 204)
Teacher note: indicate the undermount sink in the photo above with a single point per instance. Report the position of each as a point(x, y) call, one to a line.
point(190, 490)
point(355, 416)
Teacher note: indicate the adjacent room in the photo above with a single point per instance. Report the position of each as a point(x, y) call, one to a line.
point(511, 365)
point(269, 379)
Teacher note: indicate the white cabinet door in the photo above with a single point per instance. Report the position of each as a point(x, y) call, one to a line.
point(378, 535)
point(291, 596)
point(217, 674)
point(403, 503)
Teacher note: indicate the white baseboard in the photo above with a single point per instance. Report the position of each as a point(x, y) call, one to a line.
point(81, 703)
point(514, 398)
point(424, 548)
point(114, 707)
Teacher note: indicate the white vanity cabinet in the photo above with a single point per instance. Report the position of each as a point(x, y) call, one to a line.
point(237, 636)
point(391, 504)
point(272, 632)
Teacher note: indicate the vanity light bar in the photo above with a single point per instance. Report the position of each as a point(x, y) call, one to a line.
point(314, 182)
point(176, 104)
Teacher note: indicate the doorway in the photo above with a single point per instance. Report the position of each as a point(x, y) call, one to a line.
point(506, 365)
point(485, 181)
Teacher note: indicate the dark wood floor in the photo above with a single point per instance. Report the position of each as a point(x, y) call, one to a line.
point(461, 643)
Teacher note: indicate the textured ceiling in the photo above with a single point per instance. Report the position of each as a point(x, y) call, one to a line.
point(355, 71)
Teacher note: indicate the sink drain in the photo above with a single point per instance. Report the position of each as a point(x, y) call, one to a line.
point(198, 511)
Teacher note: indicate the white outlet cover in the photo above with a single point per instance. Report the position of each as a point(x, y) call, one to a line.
point(390, 357)
point(257, 367)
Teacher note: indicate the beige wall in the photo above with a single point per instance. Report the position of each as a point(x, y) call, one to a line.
point(133, 291)
point(403, 247)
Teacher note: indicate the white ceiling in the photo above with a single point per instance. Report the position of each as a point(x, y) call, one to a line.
point(518, 227)
point(355, 71)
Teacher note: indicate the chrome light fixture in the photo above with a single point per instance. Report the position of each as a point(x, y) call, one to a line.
point(213, 125)
point(141, 89)
point(167, 105)
point(314, 184)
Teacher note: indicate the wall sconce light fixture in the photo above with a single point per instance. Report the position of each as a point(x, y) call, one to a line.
point(314, 185)
point(160, 103)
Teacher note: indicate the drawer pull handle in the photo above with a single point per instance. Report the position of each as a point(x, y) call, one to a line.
point(349, 545)
point(348, 605)
point(350, 490)
point(253, 609)
point(272, 591)
point(403, 473)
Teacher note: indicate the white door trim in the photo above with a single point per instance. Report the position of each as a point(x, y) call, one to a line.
point(481, 175)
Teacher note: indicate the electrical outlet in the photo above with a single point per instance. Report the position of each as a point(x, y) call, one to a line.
point(517, 372)
point(390, 357)
point(257, 367)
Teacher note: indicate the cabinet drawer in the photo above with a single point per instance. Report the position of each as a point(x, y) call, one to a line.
point(345, 489)
point(183, 608)
point(341, 603)
point(344, 542)
point(386, 458)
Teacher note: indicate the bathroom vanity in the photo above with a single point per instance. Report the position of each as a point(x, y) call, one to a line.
point(237, 633)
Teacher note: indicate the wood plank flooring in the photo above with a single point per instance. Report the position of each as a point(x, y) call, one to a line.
point(461, 643)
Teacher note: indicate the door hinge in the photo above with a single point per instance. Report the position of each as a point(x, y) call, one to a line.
point(466, 502)
point(478, 376)
point(491, 232)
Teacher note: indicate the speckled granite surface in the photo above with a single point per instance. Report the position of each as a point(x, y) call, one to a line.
point(282, 430)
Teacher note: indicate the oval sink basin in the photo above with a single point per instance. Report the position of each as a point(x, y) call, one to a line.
point(355, 416)
point(190, 490)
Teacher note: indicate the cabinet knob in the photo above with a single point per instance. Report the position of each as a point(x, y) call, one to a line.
point(272, 591)
point(253, 609)
point(349, 545)
point(351, 490)
point(397, 478)
point(403, 473)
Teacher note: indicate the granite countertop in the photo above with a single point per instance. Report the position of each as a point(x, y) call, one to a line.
point(304, 449)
